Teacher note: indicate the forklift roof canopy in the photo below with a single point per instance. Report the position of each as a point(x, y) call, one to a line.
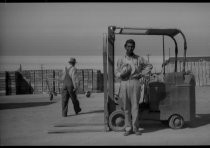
point(146, 31)
point(152, 31)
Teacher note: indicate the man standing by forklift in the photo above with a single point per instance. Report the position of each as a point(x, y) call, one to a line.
point(130, 69)
point(69, 88)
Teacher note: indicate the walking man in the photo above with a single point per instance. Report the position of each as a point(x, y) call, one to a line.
point(130, 69)
point(69, 88)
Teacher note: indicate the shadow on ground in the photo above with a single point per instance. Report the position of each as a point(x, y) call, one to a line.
point(63, 131)
point(146, 125)
point(23, 105)
point(86, 127)
point(152, 126)
point(200, 120)
point(78, 124)
point(90, 112)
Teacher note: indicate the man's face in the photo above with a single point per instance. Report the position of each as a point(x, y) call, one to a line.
point(129, 48)
point(73, 64)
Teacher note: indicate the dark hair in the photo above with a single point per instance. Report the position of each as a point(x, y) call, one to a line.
point(130, 41)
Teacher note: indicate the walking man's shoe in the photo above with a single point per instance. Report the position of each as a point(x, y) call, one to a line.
point(128, 133)
point(78, 111)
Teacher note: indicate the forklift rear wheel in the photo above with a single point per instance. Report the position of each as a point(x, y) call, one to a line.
point(117, 120)
point(176, 122)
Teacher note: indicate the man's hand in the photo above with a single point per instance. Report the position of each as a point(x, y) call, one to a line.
point(141, 75)
point(138, 76)
point(117, 74)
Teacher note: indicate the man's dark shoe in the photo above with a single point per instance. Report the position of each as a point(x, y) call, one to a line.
point(137, 132)
point(77, 112)
point(128, 133)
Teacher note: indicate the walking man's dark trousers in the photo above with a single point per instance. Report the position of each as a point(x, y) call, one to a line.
point(67, 92)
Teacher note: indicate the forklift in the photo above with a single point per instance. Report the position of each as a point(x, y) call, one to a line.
point(171, 101)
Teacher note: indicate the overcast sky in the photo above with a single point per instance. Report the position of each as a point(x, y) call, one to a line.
point(77, 28)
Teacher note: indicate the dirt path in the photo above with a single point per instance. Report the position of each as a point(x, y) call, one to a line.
point(34, 120)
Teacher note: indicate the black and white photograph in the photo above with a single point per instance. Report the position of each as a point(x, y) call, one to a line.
point(104, 73)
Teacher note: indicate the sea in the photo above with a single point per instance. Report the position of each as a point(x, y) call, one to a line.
point(13, 63)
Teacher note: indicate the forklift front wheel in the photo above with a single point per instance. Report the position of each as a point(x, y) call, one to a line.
point(117, 120)
point(176, 122)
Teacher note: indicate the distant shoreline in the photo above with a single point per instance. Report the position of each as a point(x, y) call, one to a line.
point(12, 63)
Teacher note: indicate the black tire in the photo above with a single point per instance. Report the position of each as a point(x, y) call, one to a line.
point(114, 117)
point(176, 122)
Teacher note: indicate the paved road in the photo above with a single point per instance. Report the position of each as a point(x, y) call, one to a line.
point(34, 120)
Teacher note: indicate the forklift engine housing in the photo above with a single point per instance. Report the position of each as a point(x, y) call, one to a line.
point(175, 95)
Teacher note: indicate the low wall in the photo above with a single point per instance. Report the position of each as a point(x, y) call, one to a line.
point(41, 81)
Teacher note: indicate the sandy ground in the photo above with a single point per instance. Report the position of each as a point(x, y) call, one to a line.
point(34, 120)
